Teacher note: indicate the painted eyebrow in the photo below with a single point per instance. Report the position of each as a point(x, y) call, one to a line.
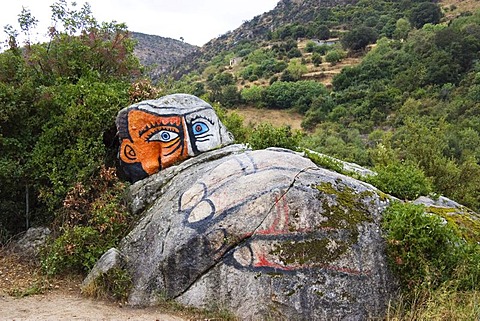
point(155, 125)
point(202, 117)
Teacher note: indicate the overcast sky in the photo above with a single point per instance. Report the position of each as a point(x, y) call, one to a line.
point(197, 21)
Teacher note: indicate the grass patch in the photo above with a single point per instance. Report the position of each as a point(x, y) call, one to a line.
point(211, 313)
point(443, 303)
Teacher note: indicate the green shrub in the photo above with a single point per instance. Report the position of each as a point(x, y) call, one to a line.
point(234, 123)
point(421, 247)
point(252, 95)
point(425, 251)
point(77, 249)
point(334, 57)
point(317, 59)
point(266, 135)
point(93, 219)
point(403, 180)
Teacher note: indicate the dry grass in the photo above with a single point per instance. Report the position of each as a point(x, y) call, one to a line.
point(461, 6)
point(254, 116)
point(445, 303)
point(21, 277)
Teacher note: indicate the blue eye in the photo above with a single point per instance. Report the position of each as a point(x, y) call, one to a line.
point(200, 128)
point(163, 136)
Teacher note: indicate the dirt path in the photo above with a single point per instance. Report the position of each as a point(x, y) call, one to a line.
point(72, 306)
point(60, 298)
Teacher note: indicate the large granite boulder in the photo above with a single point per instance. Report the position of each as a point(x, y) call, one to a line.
point(265, 234)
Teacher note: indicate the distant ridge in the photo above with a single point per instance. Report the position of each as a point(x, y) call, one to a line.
point(159, 54)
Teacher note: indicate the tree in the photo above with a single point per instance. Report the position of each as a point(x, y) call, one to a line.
point(359, 38)
point(322, 32)
point(425, 12)
point(402, 27)
point(230, 96)
point(58, 103)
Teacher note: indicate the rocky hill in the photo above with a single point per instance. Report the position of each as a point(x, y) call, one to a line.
point(258, 29)
point(160, 54)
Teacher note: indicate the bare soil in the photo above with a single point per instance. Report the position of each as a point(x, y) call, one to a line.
point(26, 294)
point(60, 305)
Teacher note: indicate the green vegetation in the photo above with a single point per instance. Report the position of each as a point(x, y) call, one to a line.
point(431, 258)
point(58, 103)
point(115, 284)
point(92, 220)
point(403, 180)
point(266, 135)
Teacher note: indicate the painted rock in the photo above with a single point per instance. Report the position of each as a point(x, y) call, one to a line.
point(264, 234)
point(155, 134)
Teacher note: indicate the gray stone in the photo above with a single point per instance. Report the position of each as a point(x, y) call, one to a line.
point(348, 167)
point(265, 234)
point(31, 243)
point(441, 201)
point(109, 260)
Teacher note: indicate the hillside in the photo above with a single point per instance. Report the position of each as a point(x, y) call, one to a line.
point(359, 74)
point(159, 54)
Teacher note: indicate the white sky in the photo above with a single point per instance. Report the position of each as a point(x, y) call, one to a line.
point(197, 21)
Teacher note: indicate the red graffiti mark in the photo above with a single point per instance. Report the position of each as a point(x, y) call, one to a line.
point(280, 223)
point(263, 262)
point(280, 226)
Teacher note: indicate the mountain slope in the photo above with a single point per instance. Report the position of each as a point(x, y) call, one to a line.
point(160, 54)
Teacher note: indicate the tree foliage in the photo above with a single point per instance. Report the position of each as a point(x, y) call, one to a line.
point(359, 38)
point(58, 102)
point(425, 12)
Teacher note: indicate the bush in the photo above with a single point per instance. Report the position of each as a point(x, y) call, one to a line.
point(77, 250)
point(419, 246)
point(403, 180)
point(234, 123)
point(334, 57)
point(94, 218)
point(316, 59)
point(115, 284)
point(299, 95)
point(252, 95)
point(426, 251)
point(266, 135)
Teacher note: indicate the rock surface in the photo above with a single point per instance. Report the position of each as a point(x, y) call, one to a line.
point(30, 244)
point(110, 260)
point(265, 234)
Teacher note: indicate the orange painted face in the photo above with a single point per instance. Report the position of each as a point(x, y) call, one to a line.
point(155, 141)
